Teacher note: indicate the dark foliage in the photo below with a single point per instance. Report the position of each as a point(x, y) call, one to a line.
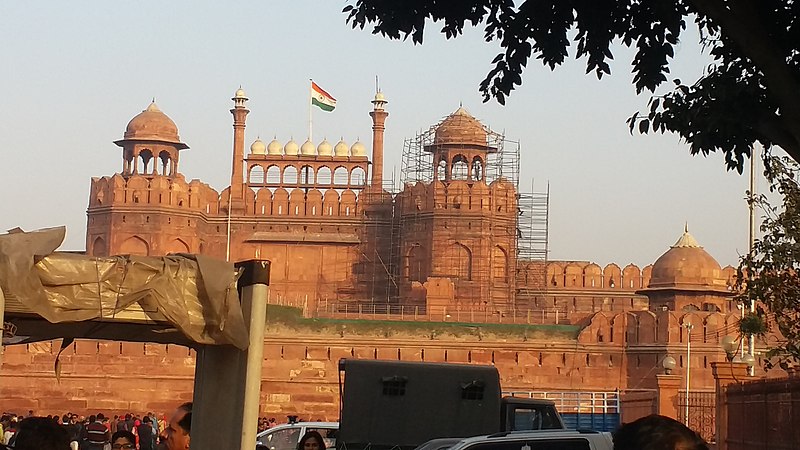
point(751, 93)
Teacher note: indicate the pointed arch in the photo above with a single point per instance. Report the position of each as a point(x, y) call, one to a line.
point(99, 247)
point(177, 246)
point(462, 261)
point(499, 265)
point(135, 245)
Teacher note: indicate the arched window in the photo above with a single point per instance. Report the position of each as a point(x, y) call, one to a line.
point(358, 176)
point(477, 169)
point(146, 156)
point(412, 269)
point(306, 175)
point(273, 175)
point(324, 175)
point(166, 168)
point(499, 265)
point(441, 170)
point(340, 176)
point(460, 168)
point(461, 262)
point(256, 175)
point(290, 175)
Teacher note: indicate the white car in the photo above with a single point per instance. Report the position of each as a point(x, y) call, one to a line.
point(286, 436)
point(538, 440)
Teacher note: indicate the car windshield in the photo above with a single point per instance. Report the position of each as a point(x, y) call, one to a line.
point(285, 439)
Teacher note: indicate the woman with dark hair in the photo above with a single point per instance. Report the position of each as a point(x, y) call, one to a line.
point(123, 440)
point(312, 440)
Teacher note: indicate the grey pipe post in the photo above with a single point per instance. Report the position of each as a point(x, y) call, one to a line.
point(254, 288)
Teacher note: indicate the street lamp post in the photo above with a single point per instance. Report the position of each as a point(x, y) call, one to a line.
point(688, 327)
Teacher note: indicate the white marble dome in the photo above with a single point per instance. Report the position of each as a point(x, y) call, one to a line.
point(341, 149)
point(325, 148)
point(358, 149)
point(274, 147)
point(308, 148)
point(291, 148)
point(258, 147)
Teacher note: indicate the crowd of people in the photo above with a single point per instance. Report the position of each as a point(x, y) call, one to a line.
point(97, 432)
point(59, 433)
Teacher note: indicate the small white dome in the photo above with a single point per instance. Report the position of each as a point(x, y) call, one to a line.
point(325, 148)
point(341, 149)
point(358, 149)
point(258, 147)
point(308, 149)
point(291, 148)
point(240, 94)
point(274, 147)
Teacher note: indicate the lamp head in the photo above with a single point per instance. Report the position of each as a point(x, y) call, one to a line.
point(730, 346)
point(668, 363)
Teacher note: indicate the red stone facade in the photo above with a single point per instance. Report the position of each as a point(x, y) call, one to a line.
point(320, 214)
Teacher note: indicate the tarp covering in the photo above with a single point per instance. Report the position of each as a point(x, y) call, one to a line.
point(194, 293)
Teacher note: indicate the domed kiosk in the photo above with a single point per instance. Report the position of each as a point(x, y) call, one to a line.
point(687, 278)
point(150, 138)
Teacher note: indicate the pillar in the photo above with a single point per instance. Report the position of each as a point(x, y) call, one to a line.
point(239, 112)
point(725, 373)
point(228, 379)
point(667, 398)
point(378, 115)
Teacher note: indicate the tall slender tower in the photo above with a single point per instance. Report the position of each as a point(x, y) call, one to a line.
point(378, 120)
point(239, 112)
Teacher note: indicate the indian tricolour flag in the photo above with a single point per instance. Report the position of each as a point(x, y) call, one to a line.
point(320, 98)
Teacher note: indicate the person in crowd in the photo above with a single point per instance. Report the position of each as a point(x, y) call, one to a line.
point(40, 433)
point(147, 436)
point(97, 435)
point(73, 431)
point(11, 429)
point(656, 432)
point(312, 440)
point(123, 440)
point(176, 434)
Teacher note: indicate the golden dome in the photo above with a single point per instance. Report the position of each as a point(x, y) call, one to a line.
point(308, 149)
point(358, 149)
point(686, 264)
point(291, 148)
point(325, 148)
point(460, 128)
point(258, 147)
point(274, 147)
point(152, 125)
point(341, 149)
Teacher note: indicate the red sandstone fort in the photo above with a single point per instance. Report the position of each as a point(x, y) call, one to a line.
point(457, 243)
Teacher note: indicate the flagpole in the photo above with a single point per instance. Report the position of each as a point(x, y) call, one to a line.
point(310, 136)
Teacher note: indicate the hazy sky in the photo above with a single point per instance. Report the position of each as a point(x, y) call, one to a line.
point(74, 73)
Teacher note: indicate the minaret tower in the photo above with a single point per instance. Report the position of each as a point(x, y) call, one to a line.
point(378, 115)
point(239, 112)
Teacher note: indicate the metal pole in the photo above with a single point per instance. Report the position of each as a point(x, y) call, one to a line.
point(255, 289)
point(689, 327)
point(750, 339)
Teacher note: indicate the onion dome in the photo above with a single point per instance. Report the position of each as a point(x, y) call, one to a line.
point(341, 149)
point(460, 128)
point(291, 148)
point(325, 148)
point(240, 94)
point(687, 264)
point(258, 147)
point(274, 147)
point(358, 149)
point(153, 125)
point(308, 149)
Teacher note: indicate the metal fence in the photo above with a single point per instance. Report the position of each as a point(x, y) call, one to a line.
point(701, 407)
point(386, 311)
